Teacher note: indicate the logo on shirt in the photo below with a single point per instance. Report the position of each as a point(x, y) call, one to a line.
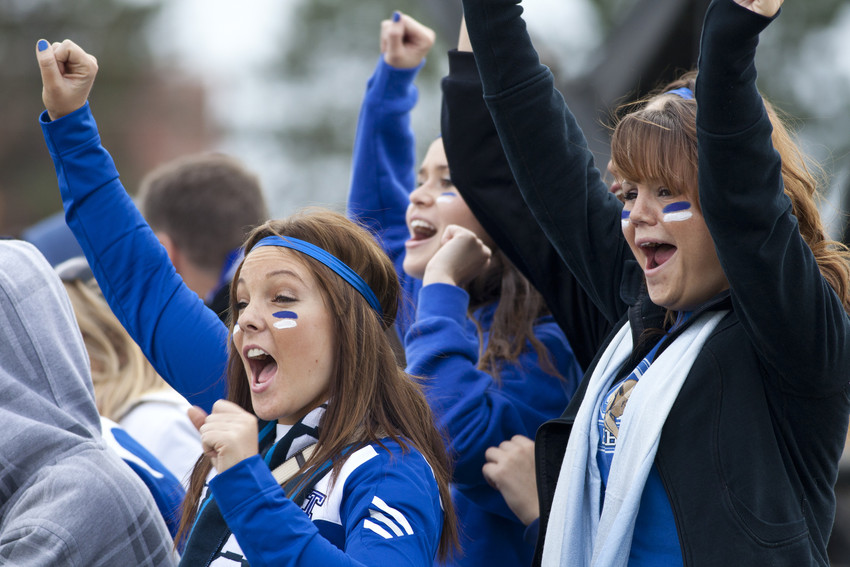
point(315, 498)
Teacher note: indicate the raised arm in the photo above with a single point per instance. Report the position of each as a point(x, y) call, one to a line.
point(774, 277)
point(184, 340)
point(383, 164)
point(548, 156)
point(482, 174)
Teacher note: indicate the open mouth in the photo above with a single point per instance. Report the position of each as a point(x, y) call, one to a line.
point(263, 365)
point(657, 253)
point(421, 230)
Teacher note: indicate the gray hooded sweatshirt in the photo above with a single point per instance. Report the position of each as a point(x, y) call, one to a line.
point(64, 498)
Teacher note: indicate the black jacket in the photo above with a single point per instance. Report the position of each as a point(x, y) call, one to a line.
point(749, 452)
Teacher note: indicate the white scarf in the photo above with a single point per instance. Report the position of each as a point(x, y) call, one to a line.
point(577, 534)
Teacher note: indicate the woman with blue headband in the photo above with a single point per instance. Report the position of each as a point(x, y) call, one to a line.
point(309, 423)
point(709, 428)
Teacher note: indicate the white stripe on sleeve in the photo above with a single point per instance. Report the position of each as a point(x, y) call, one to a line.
point(386, 521)
point(370, 525)
point(397, 516)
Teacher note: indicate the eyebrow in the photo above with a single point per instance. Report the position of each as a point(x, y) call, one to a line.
point(439, 168)
point(283, 272)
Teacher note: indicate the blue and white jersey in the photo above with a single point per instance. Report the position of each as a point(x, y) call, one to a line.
point(383, 508)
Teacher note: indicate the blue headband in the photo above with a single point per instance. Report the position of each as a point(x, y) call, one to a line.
point(329, 260)
point(683, 92)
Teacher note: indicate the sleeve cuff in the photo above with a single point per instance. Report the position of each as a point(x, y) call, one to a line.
point(443, 300)
point(462, 66)
point(71, 131)
point(396, 82)
point(242, 483)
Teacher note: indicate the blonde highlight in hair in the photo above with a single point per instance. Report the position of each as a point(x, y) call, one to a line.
point(370, 396)
point(120, 372)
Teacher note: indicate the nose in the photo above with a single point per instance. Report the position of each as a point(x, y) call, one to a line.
point(422, 195)
point(643, 210)
point(250, 318)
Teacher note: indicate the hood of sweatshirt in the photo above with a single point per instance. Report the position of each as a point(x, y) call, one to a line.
point(46, 396)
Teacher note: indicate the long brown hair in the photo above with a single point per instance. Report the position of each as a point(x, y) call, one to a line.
point(370, 396)
point(658, 141)
point(519, 307)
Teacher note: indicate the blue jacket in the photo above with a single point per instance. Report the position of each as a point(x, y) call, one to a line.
point(382, 509)
point(441, 340)
point(187, 344)
point(749, 453)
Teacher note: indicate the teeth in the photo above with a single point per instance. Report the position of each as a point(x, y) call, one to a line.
point(422, 224)
point(650, 245)
point(257, 353)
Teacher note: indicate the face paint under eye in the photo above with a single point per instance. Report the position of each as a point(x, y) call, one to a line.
point(678, 211)
point(287, 319)
point(446, 197)
point(624, 218)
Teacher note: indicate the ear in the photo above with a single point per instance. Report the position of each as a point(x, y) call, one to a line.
point(171, 249)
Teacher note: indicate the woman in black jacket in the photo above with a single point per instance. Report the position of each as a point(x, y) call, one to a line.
point(708, 430)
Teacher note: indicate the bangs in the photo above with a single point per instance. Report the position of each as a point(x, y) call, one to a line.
point(658, 145)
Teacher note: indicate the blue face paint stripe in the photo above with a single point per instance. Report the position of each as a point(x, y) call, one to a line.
point(675, 212)
point(676, 207)
point(286, 315)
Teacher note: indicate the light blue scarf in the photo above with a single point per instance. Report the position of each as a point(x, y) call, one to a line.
point(577, 533)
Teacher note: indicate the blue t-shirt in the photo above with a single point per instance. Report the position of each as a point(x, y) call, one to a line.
point(655, 541)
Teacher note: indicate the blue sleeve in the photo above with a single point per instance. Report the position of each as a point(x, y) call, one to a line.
point(272, 530)
point(383, 169)
point(476, 410)
point(182, 338)
point(774, 278)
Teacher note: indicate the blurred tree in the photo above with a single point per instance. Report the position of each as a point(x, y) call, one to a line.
point(324, 65)
point(330, 52)
point(144, 113)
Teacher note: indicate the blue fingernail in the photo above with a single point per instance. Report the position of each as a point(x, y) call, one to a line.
point(396, 16)
point(42, 45)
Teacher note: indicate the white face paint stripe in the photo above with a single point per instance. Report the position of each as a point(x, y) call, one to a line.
point(624, 218)
point(397, 516)
point(677, 216)
point(370, 525)
point(678, 211)
point(286, 319)
point(386, 521)
point(236, 328)
point(446, 198)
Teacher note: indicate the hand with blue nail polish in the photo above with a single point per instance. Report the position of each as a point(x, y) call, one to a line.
point(405, 42)
point(67, 75)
